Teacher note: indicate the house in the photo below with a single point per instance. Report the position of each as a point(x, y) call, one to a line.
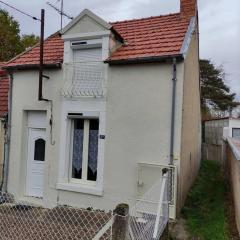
point(215, 131)
point(119, 100)
point(236, 111)
point(217, 128)
point(4, 87)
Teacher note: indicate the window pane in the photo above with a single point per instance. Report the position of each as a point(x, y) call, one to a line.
point(77, 148)
point(236, 132)
point(93, 149)
point(39, 150)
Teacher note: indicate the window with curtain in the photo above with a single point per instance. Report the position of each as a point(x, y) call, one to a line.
point(85, 134)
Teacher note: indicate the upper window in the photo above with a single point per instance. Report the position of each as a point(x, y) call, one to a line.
point(236, 132)
point(85, 134)
point(87, 55)
point(84, 71)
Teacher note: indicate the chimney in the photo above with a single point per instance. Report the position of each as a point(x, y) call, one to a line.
point(188, 8)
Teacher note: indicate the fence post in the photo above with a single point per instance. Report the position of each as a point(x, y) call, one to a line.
point(121, 220)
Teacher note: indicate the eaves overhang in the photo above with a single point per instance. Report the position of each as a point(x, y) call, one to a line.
point(179, 57)
point(32, 67)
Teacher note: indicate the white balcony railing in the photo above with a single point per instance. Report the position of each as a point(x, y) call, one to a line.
point(83, 79)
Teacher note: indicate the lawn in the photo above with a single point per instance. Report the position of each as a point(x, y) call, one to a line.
point(205, 208)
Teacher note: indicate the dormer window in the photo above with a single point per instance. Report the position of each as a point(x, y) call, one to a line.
point(87, 55)
point(84, 74)
point(87, 51)
point(88, 41)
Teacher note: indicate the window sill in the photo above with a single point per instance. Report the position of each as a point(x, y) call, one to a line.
point(75, 187)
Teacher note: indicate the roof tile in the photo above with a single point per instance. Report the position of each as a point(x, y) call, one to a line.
point(4, 87)
point(146, 37)
point(155, 36)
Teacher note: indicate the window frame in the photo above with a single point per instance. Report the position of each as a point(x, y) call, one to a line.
point(235, 128)
point(86, 128)
point(72, 109)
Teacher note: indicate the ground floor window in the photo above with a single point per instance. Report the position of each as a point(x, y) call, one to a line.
point(84, 149)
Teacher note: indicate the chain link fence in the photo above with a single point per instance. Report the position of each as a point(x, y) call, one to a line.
point(149, 217)
point(21, 221)
point(146, 220)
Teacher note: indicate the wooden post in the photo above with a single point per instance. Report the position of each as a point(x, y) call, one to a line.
point(121, 220)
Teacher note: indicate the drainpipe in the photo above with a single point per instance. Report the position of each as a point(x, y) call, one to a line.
point(41, 75)
point(40, 95)
point(7, 139)
point(174, 82)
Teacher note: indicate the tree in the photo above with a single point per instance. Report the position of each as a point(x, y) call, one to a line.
point(28, 41)
point(11, 42)
point(215, 94)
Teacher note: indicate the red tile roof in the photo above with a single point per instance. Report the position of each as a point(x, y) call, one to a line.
point(147, 37)
point(4, 87)
point(151, 37)
point(53, 53)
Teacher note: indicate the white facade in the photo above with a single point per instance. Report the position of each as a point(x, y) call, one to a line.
point(134, 115)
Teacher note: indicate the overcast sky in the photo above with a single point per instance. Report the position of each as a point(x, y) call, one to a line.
point(219, 23)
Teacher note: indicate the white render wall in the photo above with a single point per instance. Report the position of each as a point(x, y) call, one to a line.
point(25, 98)
point(137, 110)
point(138, 113)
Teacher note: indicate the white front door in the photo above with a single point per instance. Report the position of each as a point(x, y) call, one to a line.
point(36, 162)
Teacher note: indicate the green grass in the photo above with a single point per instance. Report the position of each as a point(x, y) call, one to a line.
point(204, 210)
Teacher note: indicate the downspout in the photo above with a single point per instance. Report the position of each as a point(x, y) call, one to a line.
point(3, 121)
point(40, 95)
point(174, 82)
point(7, 139)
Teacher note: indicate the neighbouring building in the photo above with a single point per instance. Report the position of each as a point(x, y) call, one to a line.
point(215, 132)
point(121, 101)
point(4, 87)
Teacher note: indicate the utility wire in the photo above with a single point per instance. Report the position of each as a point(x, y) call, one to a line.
point(18, 10)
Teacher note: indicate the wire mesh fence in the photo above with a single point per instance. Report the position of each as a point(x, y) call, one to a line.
point(149, 217)
point(21, 221)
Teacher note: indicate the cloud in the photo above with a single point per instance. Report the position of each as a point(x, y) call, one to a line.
point(220, 37)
